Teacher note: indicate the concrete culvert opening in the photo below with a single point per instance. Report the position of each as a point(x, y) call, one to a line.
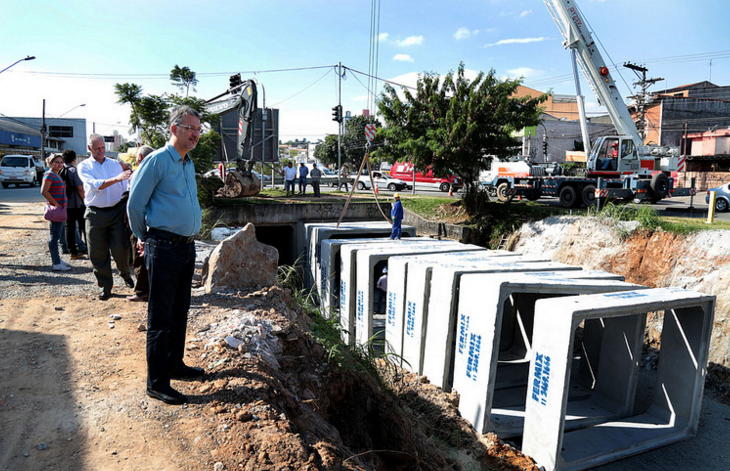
point(282, 238)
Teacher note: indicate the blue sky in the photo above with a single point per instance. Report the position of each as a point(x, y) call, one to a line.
point(84, 48)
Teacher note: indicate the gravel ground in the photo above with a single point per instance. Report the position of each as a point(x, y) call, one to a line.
point(25, 261)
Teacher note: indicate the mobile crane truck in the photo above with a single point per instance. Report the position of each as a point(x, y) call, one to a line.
point(626, 169)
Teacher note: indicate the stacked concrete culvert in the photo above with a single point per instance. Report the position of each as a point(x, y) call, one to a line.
point(474, 319)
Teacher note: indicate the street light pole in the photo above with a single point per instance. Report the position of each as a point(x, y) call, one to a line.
point(28, 58)
point(77, 106)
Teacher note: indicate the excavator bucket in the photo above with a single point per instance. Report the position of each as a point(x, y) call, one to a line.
point(240, 182)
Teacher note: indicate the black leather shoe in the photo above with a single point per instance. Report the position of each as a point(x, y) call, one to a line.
point(167, 395)
point(129, 282)
point(104, 294)
point(185, 373)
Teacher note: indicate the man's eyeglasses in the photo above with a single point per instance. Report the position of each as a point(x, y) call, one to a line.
point(191, 128)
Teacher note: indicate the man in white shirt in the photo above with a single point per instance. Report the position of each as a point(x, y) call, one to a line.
point(105, 181)
point(290, 176)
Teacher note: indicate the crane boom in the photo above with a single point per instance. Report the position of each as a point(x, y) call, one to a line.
point(577, 36)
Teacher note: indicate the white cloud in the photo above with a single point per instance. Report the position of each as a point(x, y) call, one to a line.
point(525, 72)
point(502, 42)
point(382, 37)
point(525, 13)
point(410, 41)
point(402, 58)
point(462, 33)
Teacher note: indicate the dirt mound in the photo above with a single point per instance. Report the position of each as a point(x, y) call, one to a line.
point(294, 410)
point(698, 262)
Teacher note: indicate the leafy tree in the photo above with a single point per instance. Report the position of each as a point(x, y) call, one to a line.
point(195, 103)
point(149, 113)
point(130, 94)
point(354, 141)
point(183, 78)
point(326, 152)
point(154, 115)
point(206, 150)
point(456, 125)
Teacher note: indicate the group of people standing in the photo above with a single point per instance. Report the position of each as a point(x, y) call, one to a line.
point(293, 176)
point(157, 209)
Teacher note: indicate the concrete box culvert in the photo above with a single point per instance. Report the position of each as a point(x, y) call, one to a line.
point(350, 300)
point(440, 336)
point(494, 344)
point(366, 279)
point(411, 317)
point(315, 233)
point(398, 270)
point(675, 397)
point(328, 275)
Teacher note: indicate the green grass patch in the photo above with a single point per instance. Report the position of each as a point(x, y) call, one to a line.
point(426, 206)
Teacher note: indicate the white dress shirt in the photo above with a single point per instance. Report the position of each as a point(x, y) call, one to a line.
point(93, 174)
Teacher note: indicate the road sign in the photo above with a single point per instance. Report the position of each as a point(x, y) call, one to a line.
point(369, 132)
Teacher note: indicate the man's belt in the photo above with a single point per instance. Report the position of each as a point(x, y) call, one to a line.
point(169, 236)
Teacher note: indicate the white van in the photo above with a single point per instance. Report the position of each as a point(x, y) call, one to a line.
point(20, 169)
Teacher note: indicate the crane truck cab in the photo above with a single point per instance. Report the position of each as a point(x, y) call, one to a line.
point(616, 156)
point(612, 156)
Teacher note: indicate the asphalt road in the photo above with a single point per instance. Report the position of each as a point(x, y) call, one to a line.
point(23, 194)
point(684, 206)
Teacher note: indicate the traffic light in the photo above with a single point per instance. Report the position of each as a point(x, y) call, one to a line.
point(235, 81)
point(544, 145)
point(337, 113)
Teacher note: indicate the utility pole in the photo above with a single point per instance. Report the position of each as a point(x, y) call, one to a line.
point(339, 124)
point(43, 134)
point(642, 98)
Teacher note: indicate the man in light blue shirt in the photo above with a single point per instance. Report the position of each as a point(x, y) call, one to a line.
point(303, 172)
point(164, 215)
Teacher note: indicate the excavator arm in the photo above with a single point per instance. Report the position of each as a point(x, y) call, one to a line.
point(236, 133)
point(243, 99)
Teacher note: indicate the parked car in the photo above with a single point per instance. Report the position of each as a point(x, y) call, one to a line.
point(215, 173)
point(383, 180)
point(20, 169)
point(266, 179)
point(722, 199)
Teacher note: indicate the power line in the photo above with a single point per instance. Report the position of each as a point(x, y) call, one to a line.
point(390, 82)
point(329, 71)
point(166, 76)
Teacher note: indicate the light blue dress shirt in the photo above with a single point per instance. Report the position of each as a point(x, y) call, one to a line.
point(164, 195)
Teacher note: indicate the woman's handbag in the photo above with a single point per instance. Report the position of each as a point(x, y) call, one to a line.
point(55, 213)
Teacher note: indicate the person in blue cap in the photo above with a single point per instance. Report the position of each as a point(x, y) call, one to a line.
point(396, 214)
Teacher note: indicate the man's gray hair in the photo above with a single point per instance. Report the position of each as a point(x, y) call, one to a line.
point(144, 151)
point(94, 137)
point(179, 113)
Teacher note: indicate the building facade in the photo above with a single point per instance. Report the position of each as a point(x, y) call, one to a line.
point(22, 135)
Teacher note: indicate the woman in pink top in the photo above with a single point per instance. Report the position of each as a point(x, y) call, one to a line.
point(54, 190)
